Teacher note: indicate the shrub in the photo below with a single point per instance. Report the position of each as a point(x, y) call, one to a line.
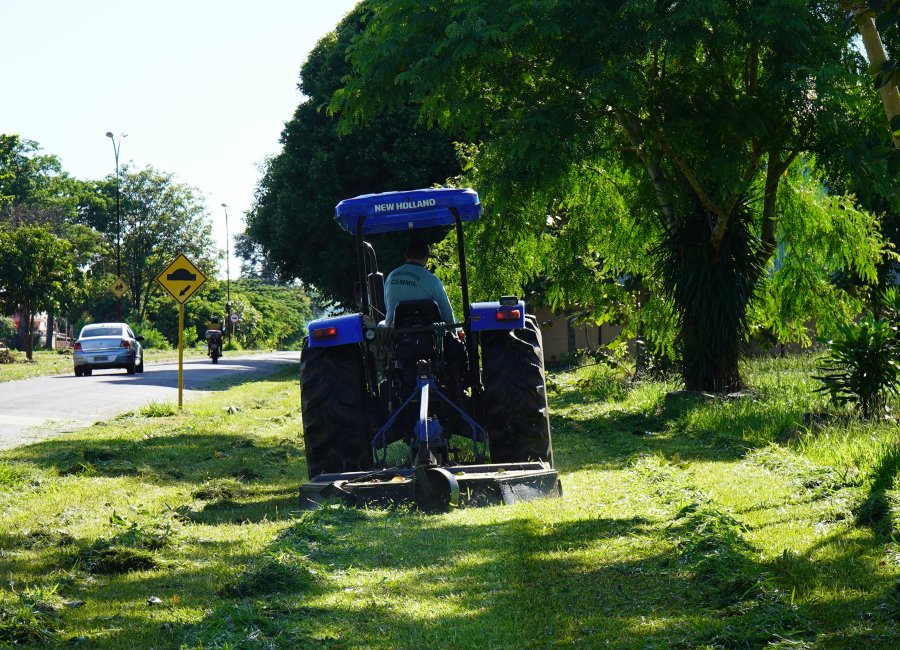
point(232, 346)
point(862, 365)
point(7, 331)
point(890, 304)
point(153, 338)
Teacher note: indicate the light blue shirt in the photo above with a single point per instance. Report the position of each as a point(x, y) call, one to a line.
point(415, 282)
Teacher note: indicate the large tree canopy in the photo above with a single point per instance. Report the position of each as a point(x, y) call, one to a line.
point(292, 223)
point(160, 218)
point(37, 273)
point(655, 139)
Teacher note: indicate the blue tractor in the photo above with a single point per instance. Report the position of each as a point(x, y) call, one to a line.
point(476, 427)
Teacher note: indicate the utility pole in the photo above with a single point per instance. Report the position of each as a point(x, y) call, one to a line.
point(230, 324)
point(116, 148)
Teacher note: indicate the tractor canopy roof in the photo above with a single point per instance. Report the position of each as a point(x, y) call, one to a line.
point(393, 211)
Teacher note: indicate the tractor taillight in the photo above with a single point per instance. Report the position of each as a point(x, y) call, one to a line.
point(324, 333)
point(509, 314)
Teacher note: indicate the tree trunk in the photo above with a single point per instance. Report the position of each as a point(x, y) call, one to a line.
point(875, 52)
point(710, 289)
point(29, 333)
point(51, 331)
point(21, 332)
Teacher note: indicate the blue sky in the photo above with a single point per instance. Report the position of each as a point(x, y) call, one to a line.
point(202, 87)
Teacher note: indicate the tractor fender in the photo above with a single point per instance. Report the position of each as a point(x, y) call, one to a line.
point(339, 330)
point(492, 315)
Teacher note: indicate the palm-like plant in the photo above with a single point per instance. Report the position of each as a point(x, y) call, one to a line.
point(862, 365)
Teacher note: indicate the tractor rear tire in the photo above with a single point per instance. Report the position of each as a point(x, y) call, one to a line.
point(333, 403)
point(515, 395)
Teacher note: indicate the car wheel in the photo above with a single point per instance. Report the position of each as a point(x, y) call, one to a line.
point(130, 368)
point(78, 371)
point(140, 367)
point(87, 372)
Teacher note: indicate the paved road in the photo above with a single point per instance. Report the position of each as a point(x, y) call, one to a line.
point(39, 408)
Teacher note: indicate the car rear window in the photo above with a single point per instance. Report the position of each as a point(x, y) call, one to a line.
point(101, 331)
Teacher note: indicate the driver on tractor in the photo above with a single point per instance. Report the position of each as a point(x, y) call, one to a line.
point(412, 281)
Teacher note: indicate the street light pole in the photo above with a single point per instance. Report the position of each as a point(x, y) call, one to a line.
point(228, 275)
point(116, 148)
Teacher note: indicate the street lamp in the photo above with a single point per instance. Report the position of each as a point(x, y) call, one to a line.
point(228, 274)
point(116, 148)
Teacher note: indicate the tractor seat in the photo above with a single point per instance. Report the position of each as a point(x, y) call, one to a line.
point(414, 315)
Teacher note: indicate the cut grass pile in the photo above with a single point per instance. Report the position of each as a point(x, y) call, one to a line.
point(687, 522)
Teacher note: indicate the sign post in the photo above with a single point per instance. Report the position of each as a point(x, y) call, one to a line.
point(181, 279)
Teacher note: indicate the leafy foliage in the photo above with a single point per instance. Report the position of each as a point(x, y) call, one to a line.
point(160, 218)
point(594, 143)
point(7, 331)
point(38, 273)
point(291, 224)
point(862, 365)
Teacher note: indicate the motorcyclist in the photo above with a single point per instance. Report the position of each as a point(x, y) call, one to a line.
point(214, 335)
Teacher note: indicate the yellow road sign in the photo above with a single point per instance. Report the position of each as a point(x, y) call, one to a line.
point(181, 278)
point(118, 287)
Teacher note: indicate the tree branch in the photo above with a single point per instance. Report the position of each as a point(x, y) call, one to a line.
point(694, 182)
point(746, 177)
point(751, 69)
point(657, 175)
point(776, 169)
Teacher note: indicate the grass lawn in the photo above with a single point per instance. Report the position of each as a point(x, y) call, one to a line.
point(685, 522)
point(60, 363)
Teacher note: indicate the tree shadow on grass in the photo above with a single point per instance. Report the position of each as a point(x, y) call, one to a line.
point(250, 510)
point(406, 580)
point(845, 567)
point(879, 509)
point(180, 457)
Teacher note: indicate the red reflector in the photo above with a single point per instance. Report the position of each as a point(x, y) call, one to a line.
point(509, 314)
point(324, 333)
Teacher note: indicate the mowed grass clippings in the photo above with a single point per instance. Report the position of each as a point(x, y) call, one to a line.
point(760, 520)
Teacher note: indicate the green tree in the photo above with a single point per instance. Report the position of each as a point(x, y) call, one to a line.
point(685, 117)
point(160, 218)
point(283, 313)
point(291, 224)
point(37, 273)
point(26, 176)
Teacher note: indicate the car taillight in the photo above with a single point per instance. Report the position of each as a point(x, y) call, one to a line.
point(125, 344)
point(324, 333)
point(77, 345)
point(508, 314)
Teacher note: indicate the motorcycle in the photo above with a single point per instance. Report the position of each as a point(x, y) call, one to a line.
point(214, 345)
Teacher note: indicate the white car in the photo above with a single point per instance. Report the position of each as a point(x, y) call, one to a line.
point(108, 345)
